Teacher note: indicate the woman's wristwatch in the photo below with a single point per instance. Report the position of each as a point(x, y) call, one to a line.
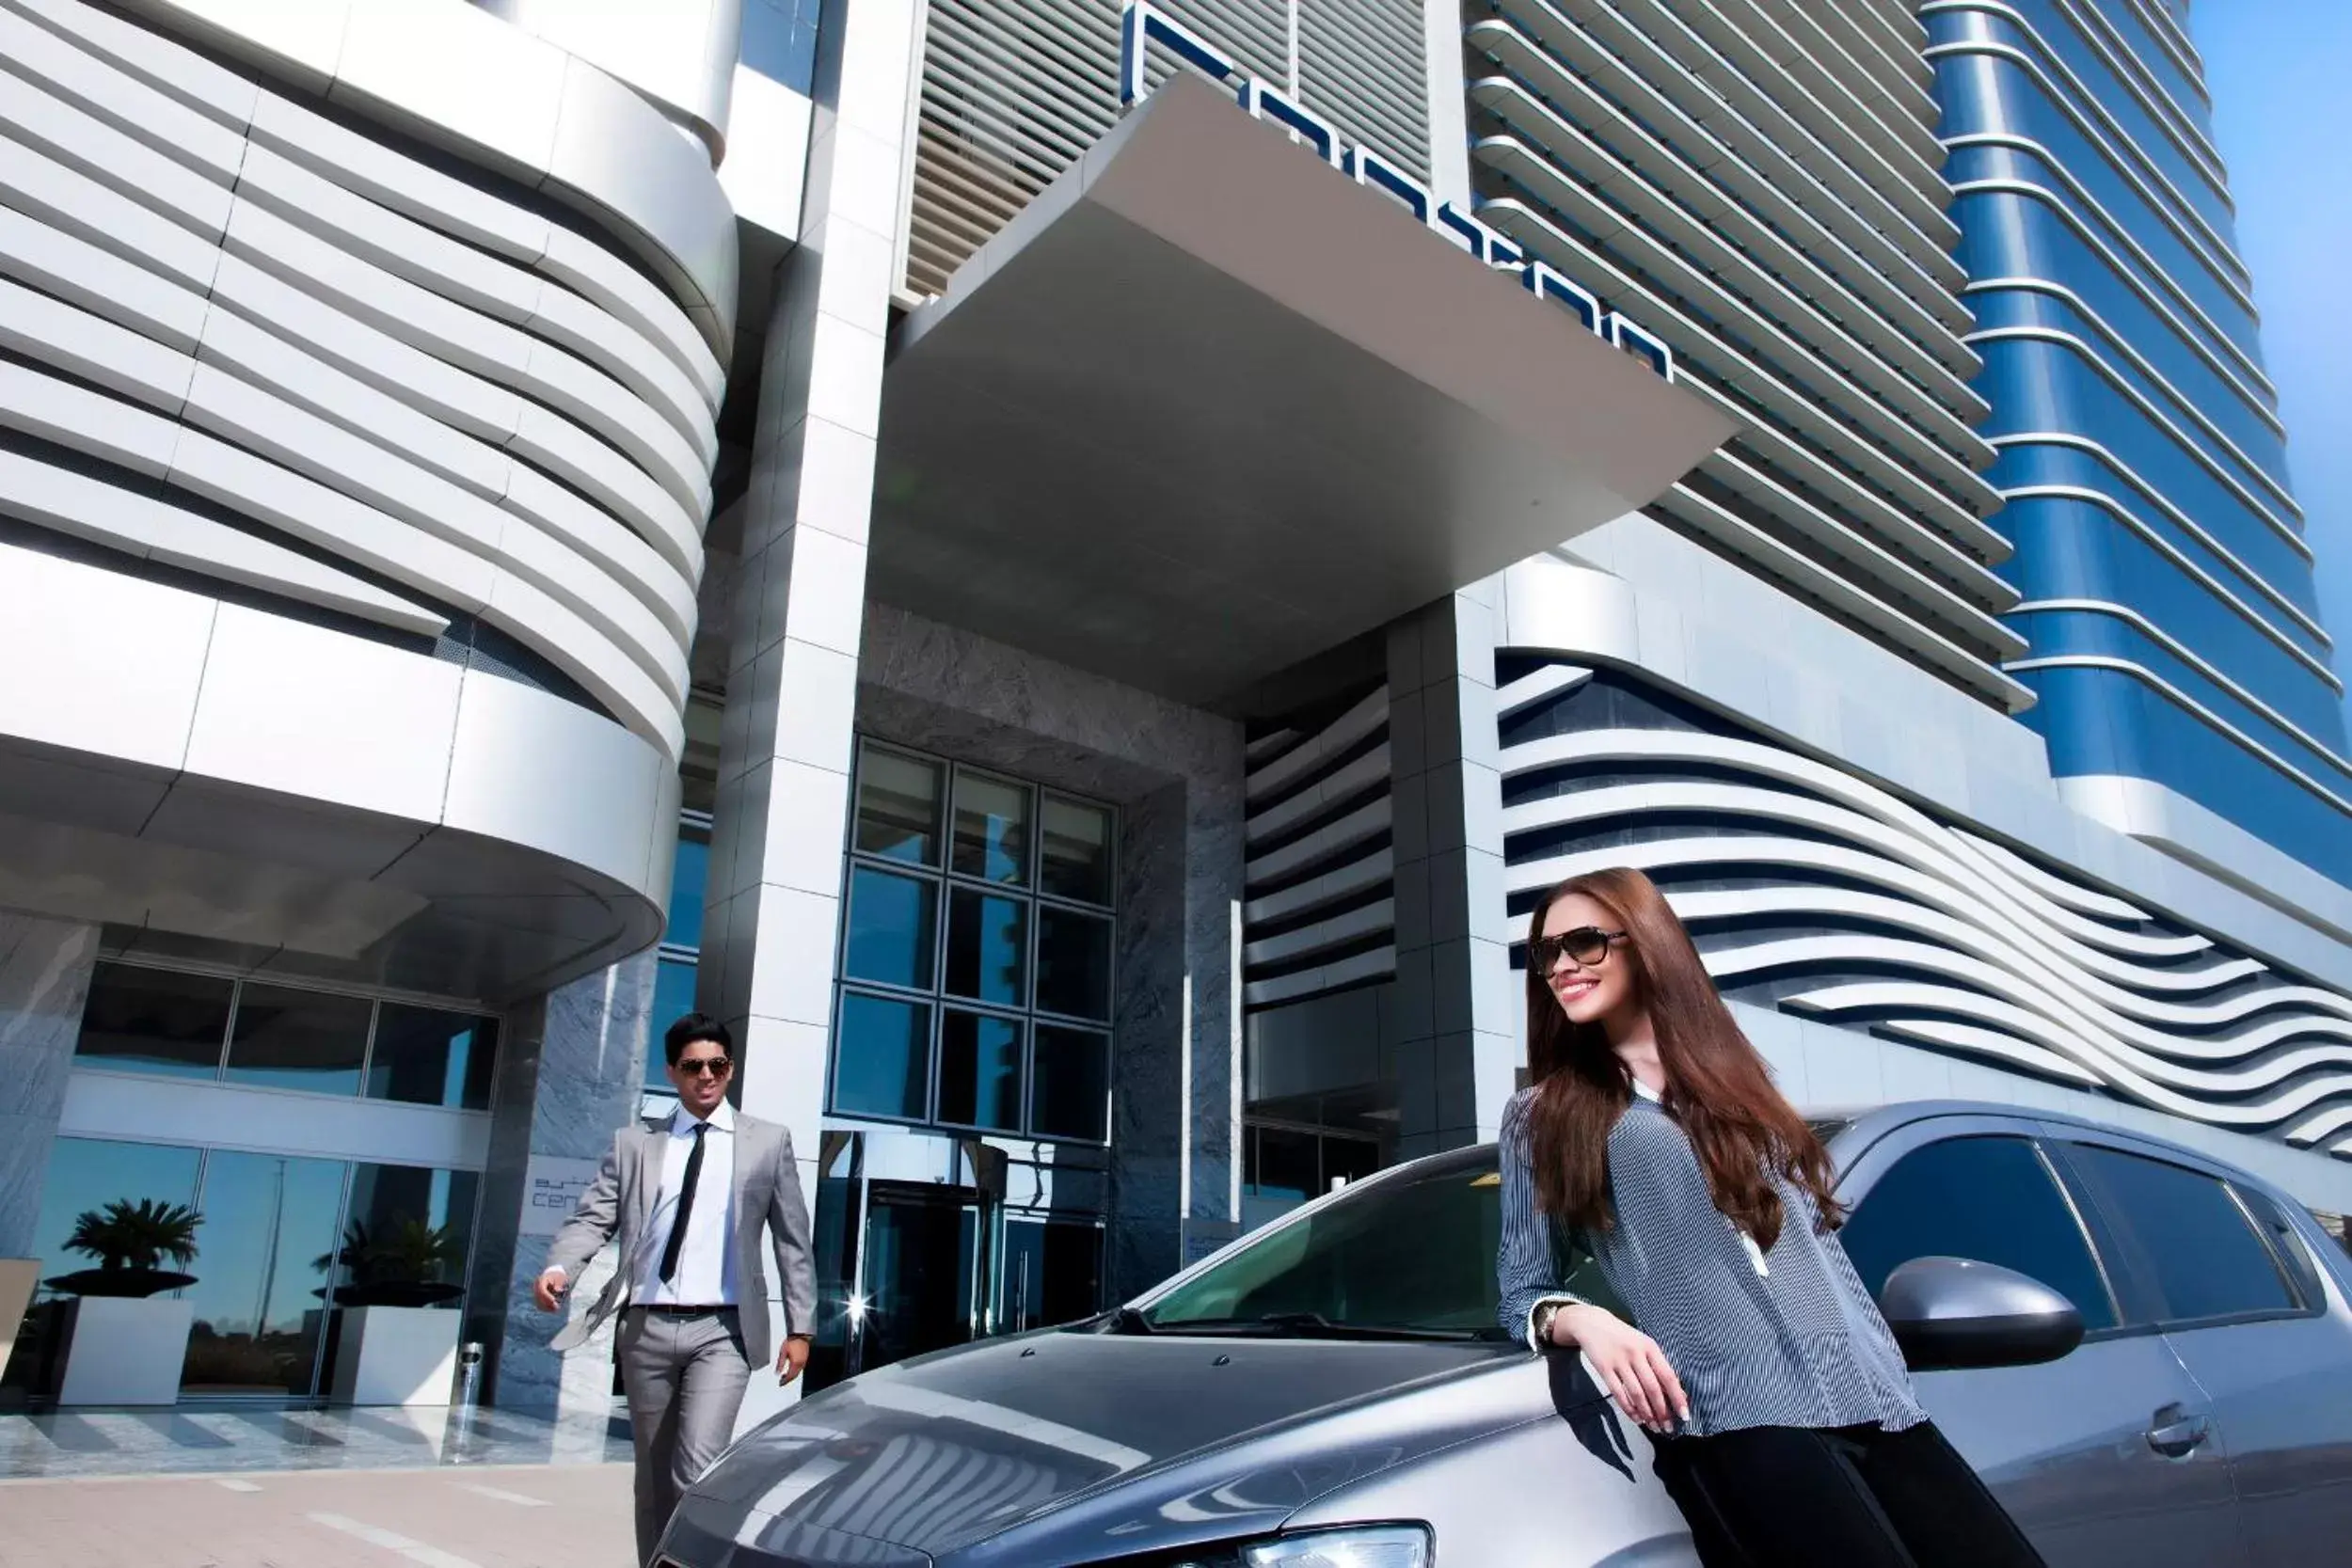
point(1544, 1312)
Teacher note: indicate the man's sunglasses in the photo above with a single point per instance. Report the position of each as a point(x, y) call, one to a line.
point(718, 1067)
point(1586, 944)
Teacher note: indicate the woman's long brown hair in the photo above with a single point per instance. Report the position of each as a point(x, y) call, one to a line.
point(1717, 1085)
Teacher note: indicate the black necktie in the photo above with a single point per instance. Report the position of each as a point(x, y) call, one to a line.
point(685, 1206)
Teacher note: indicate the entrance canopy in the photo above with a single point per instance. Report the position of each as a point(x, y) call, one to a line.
point(1209, 406)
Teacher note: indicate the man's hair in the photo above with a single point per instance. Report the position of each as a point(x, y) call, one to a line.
point(692, 1027)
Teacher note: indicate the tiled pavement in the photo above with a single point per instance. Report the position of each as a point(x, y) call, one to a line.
point(189, 1441)
point(446, 1516)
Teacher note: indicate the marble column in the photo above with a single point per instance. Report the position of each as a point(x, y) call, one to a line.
point(1458, 1052)
point(799, 595)
point(571, 1073)
point(44, 978)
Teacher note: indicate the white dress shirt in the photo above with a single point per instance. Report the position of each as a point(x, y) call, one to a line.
point(706, 1264)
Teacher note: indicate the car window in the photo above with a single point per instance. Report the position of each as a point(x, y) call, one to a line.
point(2200, 1252)
point(1413, 1251)
point(2288, 1243)
point(1988, 1199)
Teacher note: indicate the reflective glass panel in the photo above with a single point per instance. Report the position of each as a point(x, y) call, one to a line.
point(154, 1020)
point(893, 928)
point(263, 1255)
point(672, 999)
point(690, 876)
point(406, 1237)
point(1075, 852)
point(298, 1039)
point(898, 806)
point(987, 948)
point(428, 1058)
point(979, 1072)
point(1070, 1083)
point(992, 828)
point(1348, 1160)
point(86, 1176)
point(1289, 1163)
point(1053, 1274)
point(1073, 963)
point(883, 1063)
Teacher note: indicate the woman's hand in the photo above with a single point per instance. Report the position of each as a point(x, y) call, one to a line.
point(1629, 1364)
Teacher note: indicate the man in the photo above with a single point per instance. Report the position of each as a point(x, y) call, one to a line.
point(689, 1197)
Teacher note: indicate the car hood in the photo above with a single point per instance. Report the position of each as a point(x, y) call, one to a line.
point(1063, 1446)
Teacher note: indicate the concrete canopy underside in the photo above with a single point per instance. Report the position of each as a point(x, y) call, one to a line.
point(1208, 407)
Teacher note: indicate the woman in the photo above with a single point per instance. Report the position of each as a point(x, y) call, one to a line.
point(1652, 1136)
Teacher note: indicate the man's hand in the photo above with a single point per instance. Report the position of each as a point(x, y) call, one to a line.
point(547, 1289)
point(792, 1358)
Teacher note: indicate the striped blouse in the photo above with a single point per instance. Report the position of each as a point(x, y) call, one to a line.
point(1787, 1337)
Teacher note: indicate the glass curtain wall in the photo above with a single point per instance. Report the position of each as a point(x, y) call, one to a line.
point(976, 952)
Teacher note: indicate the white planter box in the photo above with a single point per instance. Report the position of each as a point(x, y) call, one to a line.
point(396, 1356)
point(124, 1350)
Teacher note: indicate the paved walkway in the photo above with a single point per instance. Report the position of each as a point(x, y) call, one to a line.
point(448, 1517)
point(192, 1440)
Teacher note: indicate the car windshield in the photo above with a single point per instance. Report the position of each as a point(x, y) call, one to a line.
point(1408, 1255)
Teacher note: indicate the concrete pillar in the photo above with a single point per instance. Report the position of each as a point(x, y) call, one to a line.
point(571, 1073)
point(44, 979)
point(1457, 1051)
point(798, 602)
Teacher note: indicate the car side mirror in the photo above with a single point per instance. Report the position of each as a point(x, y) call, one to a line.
point(1948, 1313)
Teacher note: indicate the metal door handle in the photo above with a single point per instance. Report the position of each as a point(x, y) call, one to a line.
point(2179, 1437)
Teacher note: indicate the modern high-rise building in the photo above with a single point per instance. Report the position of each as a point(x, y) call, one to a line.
point(1071, 570)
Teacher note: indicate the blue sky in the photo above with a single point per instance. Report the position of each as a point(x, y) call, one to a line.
point(2282, 115)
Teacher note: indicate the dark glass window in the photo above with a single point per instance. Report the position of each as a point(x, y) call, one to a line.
point(154, 1020)
point(979, 1072)
point(1289, 1163)
point(893, 928)
point(1075, 852)
point(1053, 1273)
point(1413, 1251)
point(882, 1064)
point(672, 999)
point(406, 1237)
point(1070, 1083)
point(987, 948)
point(429, 1057)
point(898, 807)
point(2205, 1258)
point(264, 1252)
point(690, 881)
point(1349, 1159)
point(992, 828)
point(1991, 1199)
point(298, 1039)
point(1073, 963)
point(953, 880)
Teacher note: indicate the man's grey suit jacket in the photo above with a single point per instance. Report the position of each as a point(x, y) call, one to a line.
point(767, 1194)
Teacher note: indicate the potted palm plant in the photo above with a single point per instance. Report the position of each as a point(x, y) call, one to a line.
point(394, 1341)
point(125, 1341)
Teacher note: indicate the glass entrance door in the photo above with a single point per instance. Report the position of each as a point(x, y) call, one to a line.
point(928, 1258)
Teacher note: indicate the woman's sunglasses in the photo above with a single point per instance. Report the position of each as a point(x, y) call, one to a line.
point(1586, 944)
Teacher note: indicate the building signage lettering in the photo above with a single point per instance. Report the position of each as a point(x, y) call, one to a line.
point(1140, 25)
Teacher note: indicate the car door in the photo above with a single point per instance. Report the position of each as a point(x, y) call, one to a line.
point(2067, 1446)
point(2244, 1305)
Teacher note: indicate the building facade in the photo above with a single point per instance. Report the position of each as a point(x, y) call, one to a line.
point(1073, 570)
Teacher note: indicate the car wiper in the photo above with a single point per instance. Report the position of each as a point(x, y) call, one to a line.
point(1126, 1320)
point(1309, 1325)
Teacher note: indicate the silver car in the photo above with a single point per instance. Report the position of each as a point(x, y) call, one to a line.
point(2146, 1354)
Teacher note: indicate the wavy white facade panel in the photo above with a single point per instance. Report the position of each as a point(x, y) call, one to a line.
point(1320, 796)
point(419, 375)
point(1854, 907)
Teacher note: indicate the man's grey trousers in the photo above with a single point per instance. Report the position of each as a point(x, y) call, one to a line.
point(685, 1377)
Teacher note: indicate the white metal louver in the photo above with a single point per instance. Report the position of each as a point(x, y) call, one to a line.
point(1015, 90)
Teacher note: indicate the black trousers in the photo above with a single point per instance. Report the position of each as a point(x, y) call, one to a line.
point(1852, 1497)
